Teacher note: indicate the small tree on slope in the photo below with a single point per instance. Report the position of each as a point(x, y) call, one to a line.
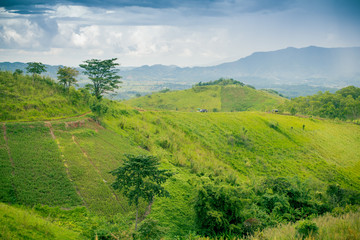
point(139, 177)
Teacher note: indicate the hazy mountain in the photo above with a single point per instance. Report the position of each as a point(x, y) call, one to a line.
point(290, 71)
point(311, 68)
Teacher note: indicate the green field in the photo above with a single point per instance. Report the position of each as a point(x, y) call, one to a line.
point(214, 98)
point(90, 152)
point(7, 191)
point(38, 173)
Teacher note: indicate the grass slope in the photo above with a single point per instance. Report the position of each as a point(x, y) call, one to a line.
point(18, 224)
point(25, 99)
point(215, 98)
point(38, 174)
point(67, 162)
point(90, 152)
point(249, 143)
point(244, 146)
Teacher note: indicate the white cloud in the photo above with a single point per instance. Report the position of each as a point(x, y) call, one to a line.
point(182, 36)
point(54, 52)
point(70, 11)
point(88, 36)
point(20, 33)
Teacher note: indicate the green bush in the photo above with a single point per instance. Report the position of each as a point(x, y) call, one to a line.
point(218, 210)
point(150, 230)
point(306, 228)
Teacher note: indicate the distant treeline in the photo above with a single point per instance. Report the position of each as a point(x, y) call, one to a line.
point(221, 81)
point(344, 104)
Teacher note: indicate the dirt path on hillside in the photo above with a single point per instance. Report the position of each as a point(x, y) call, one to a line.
point(96, 169)
point(10, 159)
point(51, 119)
point(8, 148)
point(49, 125)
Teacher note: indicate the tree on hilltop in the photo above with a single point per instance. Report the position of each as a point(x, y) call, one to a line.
point(66, 76)
point(35, 68)
point(140, 177)
point(103, 75)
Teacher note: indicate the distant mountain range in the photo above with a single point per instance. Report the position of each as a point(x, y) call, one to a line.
point(290, 71)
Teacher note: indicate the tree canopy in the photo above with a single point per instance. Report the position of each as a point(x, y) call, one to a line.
point(103, 75)
point(66, 76)
point(35, 68)
point(140, 177)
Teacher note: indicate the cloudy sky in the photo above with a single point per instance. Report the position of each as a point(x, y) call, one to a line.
point(180, 32)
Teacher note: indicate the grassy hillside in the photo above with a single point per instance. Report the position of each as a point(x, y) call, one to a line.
point(214, 98)
point(236, 147)
point(23, 98)
point(65, 164)
point(38, 174)
point(18, 224)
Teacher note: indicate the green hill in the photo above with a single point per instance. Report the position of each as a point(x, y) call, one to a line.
point(214, 98)
point(26, 99)
point(273, 168)
point(244, 147)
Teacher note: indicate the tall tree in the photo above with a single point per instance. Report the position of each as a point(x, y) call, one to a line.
point(66, 76)
point(140, 177)
point(103, 75)
point(35, 68)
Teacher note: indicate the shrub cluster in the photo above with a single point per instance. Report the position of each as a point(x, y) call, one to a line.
point(343, 104)
point(224, 210)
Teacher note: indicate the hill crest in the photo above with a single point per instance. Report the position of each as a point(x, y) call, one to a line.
point(219, 97)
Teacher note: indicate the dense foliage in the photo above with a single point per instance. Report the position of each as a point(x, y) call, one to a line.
point(233, 210)
point(343, 104)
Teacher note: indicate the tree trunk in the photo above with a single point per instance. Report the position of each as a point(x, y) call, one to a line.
point(136, 221)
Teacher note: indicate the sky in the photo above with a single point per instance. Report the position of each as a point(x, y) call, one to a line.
point(170, 32)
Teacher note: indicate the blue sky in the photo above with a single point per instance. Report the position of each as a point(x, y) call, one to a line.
point(184, 33)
